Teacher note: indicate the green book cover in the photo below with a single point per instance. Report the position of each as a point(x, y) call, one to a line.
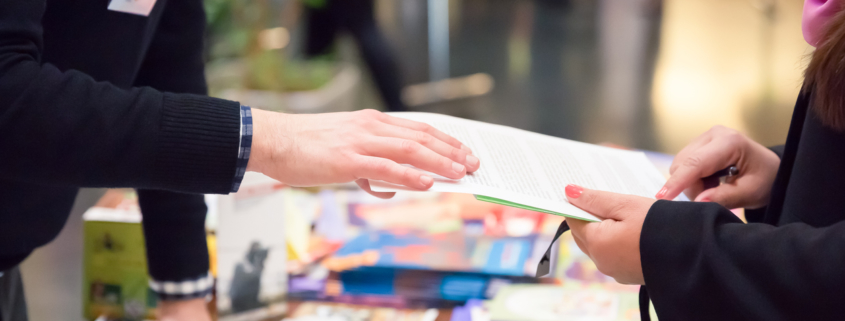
point(525, 207)
point(115, 266)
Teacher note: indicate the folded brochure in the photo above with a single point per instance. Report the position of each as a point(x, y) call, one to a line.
point(529, 170)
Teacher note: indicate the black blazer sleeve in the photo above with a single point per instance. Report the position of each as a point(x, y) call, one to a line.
point(64, 128)
point(700, 262)
point(758, 214)
point(174, 223)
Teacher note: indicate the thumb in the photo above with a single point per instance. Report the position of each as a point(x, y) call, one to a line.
point(727, 195)
point(599, 203)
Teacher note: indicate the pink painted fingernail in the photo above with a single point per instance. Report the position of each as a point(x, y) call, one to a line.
point(472, 160)
point(662, 193)
point(574, 191)
point(458, 168)
point(426, 180)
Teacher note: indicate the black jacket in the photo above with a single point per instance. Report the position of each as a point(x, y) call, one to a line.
point(701, 262)
point(82, 104)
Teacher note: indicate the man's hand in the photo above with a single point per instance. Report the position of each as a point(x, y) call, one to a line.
point(183, 310)
point(714, 150)
point(307, 150)
point(614, 243)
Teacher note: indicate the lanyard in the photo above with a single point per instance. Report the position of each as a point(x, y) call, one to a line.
point(545, 265)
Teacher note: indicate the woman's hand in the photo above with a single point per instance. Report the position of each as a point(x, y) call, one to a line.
point(716, 149)
point(614, 243)
point(183, 310)
point(307, 150)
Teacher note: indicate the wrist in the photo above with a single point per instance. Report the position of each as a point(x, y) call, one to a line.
point(270, 138)
point(178, 310)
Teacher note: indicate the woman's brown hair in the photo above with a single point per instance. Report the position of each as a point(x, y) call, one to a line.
point(825, 76)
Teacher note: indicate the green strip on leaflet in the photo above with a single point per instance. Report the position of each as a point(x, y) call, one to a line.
point(525, 207)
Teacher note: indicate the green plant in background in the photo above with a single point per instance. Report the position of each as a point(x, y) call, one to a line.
point(226, 37)
point(269, 70)
point(238, 58)
point(315, 3)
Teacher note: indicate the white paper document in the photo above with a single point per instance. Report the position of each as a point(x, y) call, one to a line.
point(532, 169)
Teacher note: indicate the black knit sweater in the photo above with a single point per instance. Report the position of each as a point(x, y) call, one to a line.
point(62, 128)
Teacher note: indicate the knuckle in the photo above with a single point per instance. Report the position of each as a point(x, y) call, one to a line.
point(378, 165)
point(426, 128)
point(380, 116)
point(445, 162)
point(458, 154)
point(725, 131)
point(409, 146)
point(371, 113)
point(423, 138)
point(693, 161)
point(733, 137)
point(408, 174)
point(718, 129)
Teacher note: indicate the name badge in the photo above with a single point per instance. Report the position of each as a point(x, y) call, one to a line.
point(137, 7)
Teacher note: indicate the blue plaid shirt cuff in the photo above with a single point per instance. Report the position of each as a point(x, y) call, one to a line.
point(244, 147)
point(199, 287)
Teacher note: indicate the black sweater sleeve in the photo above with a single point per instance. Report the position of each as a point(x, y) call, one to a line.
point(174, 234)
point(700, 262)
point(64, 128)
point(174, 223)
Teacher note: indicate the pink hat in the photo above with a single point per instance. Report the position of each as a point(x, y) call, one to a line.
point(816, 14)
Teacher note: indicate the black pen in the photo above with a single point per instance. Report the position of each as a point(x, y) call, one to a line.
point(720, 177)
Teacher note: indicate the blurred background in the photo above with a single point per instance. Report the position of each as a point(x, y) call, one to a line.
point(641, 73)
point(646, 74)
